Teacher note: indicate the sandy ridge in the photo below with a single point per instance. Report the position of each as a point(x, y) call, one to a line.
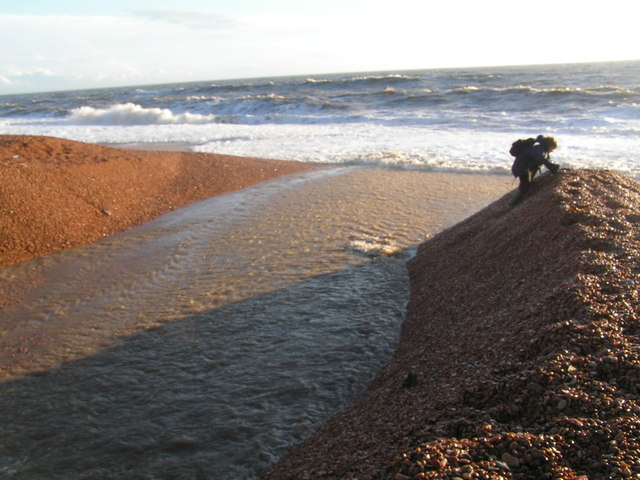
point(57, 194)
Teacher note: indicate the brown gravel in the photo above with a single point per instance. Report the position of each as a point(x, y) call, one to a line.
point(57, 194)
point(520, 354)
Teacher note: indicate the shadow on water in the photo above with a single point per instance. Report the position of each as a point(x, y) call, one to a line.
point(208, 342)
point(220, 394)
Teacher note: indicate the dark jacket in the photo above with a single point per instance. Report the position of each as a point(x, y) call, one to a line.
point(531, 158)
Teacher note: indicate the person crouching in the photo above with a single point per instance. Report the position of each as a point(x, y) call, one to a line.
point(528, 162)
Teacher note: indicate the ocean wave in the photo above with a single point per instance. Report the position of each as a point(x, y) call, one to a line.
point(133, 114)
point(275, 108)
point(568, 93)
point(361, 81)
point(231, 86)
point(452, 119)
point(14, 110)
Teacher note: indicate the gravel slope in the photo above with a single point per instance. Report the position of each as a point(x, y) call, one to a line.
point(520, 354)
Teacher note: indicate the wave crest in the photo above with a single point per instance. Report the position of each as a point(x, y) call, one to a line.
point(133, 114)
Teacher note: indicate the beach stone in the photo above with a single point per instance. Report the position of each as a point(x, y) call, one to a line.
point(575, 422)
point(411, 380)
point(510, 460)
point(182, 443)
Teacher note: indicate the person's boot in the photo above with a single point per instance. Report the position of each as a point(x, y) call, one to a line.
point(517, 197)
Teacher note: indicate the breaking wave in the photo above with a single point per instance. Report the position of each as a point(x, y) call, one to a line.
point(133, 114)
point(456, 119)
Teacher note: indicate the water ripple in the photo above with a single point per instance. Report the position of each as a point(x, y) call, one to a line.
point(208, 342)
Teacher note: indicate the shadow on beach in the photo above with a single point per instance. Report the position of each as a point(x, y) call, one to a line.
point(220, 394)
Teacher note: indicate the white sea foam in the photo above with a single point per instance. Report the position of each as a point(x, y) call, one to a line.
point(420, 147)
point(455, 120)
point(373, 246)
point(132, 114)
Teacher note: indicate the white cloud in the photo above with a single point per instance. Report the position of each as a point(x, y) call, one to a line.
point(88, 51)
point(155, 45)
point(30, 78)
point(190, 19)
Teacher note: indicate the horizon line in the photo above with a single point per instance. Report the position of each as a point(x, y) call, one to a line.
point(257, 77)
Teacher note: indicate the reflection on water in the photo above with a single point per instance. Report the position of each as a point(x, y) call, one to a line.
point(208, 342)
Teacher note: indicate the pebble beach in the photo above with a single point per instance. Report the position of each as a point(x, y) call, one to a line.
point(519, 354)
point(59, 194)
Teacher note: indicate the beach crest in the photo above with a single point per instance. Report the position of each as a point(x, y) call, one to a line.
point(59, 194)
point(519, 355)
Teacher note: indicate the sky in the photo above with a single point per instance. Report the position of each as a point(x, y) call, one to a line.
point(50, 45)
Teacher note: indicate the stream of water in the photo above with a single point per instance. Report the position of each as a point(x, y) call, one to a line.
point(208, 342)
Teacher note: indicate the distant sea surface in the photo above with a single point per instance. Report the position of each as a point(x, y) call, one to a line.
point(449, 119)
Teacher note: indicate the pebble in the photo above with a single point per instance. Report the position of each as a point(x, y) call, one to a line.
point(510, 460)
point(182, 443)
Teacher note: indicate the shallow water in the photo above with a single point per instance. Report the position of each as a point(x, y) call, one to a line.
point(209, 341)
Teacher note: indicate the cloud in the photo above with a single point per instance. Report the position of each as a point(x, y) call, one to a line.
point(186, 18)
point(34, 78)
point(157, 45)
point(54, 52)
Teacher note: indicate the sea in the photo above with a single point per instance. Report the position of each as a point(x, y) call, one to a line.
point(445, 119)
point(210, 341)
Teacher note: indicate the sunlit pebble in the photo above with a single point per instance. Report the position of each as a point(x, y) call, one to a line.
point(589, 399)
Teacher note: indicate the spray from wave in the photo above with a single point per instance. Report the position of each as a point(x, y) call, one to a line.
point(133, 114)
point(454, 120)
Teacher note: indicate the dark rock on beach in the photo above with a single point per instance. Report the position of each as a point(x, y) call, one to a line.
point(523, 330)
